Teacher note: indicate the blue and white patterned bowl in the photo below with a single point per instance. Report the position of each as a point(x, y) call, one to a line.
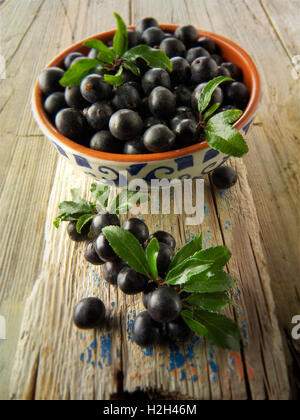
point(190, 162)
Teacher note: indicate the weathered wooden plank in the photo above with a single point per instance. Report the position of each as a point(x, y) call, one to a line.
point(284, 18)
point(32, 33)
point(208, 383)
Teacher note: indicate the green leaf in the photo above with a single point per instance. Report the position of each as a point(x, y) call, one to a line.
point(221, 330)
point(124, 201)
point(223, 137)
point(105, 54)
point(57, 222)
point(194, 325)
point(187, 251)
point(115, 80)
point(182, 273)
point(74, 75)
point(211, 281)
point(152, 56)
point(100, 194)
point(120, 42)
point(209, 301)
point(128, 248)
point(83, 220)
point(152, 251)
point(209, 89)
point(74, 208)
point(211, 110)
point(131, 66)
point(218, 256)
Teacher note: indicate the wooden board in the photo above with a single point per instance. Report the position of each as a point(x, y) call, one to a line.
point(28, 164)
point(54, 360)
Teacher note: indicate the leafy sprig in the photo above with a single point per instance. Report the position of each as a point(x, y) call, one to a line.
point(115, 59)
point(80, 210)
point(218, 131)
point(196, 271)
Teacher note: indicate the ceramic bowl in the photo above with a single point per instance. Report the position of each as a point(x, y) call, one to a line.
point(190, 162)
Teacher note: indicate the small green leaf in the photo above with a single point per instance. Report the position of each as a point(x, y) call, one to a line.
point(105, 54)
point(120, 42)
point(152, 251)
point(100, 194)
point(194, 325)
point(182, 273)
point(128, 248)
point(131, 66)
point(126, 199)
point(187, 251)
point(152, 56)
point(211, 281)
point(115, 80)
point(221, 330)
point(57, 222)
point(208, 90)
point(83, 220)
point(74, 75)
point(211, 110)
point(227, 117)
point(218, 256)
point(223, 137)
point(209, 301)
point(74, 208)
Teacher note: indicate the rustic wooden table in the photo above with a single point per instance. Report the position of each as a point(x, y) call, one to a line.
point(44, 356)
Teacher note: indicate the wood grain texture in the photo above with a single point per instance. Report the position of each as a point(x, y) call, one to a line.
point(28, 162)
point(29, 174)
point(87, 365)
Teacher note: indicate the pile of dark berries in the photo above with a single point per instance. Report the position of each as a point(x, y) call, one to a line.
point(163, 304)
point(152, 113)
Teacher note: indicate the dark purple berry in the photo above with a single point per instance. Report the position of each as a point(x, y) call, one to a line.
point(152, 36)
point(102, 220)
point(164, 304)
point(151, 286)
point(159, 138)
point(224, 177)
point(74, 98)
point(49, 80)
point(91, 256)
point(146, 332)
point(112, 269)
point(162, 102)
point(203, 69)
point(98, 115)
point(145, 23)
point(74, 235)
point(237, 94)
point(94, 88)
point(196, 52)
point(155, 77)
point(181, 70)
point(126, 96)
point(135, 147)
point(125, 124)
point(131, 282)
point(103, 249)
point(178, 330)
point(138, 228)
point(188, 34)
point(71, 123)
point(103, 141)
point(163, 237)
point(173, 47)
point(89, 313)
point(54, 103)
point(70, 57)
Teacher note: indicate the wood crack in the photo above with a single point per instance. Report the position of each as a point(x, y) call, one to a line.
point(276, 31)
point(25, 34)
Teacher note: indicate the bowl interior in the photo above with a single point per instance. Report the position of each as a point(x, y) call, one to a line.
point(229, 50)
